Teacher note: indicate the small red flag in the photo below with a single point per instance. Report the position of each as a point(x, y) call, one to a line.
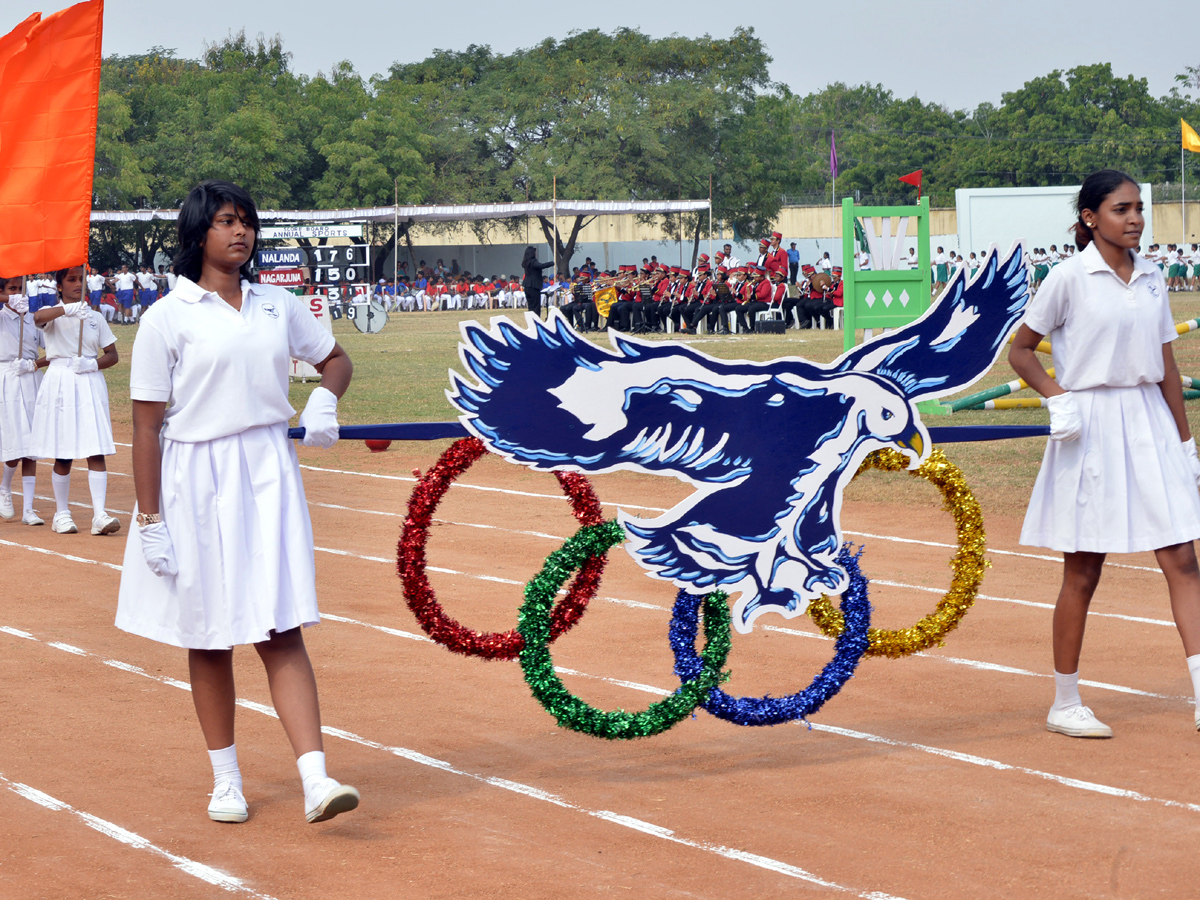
point(49, 95)
point(913, 178)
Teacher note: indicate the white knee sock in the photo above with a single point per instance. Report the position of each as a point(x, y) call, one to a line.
point(62, 491)
point(312, 769)
point(1066, 691)
point(98, 484)
point(9, 471)
point(1194, 667)
point(28, 485)
point(225, 765)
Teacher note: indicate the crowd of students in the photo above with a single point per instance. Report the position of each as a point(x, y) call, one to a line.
point(119, 296)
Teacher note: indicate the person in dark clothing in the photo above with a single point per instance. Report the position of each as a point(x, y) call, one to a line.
point(532, 282)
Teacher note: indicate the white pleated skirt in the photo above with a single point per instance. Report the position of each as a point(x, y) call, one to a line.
point(18, 394)
point(238, 520)
point(70, 417)
point(1124, 486)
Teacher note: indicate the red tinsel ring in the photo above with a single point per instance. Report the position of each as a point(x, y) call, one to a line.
point(410, 559)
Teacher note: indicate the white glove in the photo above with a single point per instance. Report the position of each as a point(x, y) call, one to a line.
point(157, 548)
point(19, 304)
point(1189, 450)
point(319, 419)
point(77, 310)
point(22, 366)
point(1066, 421)
point(82, 365)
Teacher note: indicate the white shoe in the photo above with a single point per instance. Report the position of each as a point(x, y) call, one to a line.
point(31, 518)
point(6, 507)
point(327, 799)
point(105, 524)
point(227, 804)
point(62, 523)
point(1077, 721)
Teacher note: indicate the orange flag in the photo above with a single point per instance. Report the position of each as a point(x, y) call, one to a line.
point(49, 94)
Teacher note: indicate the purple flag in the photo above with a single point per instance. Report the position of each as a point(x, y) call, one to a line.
point(832, 155)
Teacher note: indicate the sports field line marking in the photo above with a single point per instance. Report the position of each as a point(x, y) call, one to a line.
point(516, 787)
point(637, 604)
point(131, 839)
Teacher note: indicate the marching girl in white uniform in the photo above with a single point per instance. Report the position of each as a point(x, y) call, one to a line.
point(71, 419)
point(223, 549)
point(20, 341)
point(1120, 472)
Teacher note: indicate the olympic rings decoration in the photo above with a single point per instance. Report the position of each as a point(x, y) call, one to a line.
point(571, 712)
point(968, 564)
point(410, 563)
point(849, 649)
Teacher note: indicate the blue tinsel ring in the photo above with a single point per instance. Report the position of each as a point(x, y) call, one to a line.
point(768, 710)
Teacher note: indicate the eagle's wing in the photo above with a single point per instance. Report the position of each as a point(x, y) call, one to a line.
point(958, 339)
point(546, 397)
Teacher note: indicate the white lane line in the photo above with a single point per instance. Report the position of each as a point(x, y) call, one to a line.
point(136, 841)
point(648, 828)
point(67, 556)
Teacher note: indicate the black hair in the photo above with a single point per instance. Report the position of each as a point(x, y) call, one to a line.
point(60, 276)
point(196, 215)
point(1095, 188)
point(530, 255)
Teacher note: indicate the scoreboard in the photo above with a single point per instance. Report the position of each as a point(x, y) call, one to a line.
point(341, 265)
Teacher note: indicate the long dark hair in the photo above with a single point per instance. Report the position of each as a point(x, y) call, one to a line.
point(1095, 188)
point(530, 256)
point(195, 218)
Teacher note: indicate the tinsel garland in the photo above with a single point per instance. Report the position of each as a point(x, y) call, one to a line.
point(410, 559)
point(768, 710)
point(534, 624)
point(968, 564)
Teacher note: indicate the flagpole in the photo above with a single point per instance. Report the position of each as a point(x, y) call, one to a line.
point(1182, 196)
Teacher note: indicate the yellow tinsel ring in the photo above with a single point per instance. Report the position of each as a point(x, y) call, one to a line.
point(968, 564)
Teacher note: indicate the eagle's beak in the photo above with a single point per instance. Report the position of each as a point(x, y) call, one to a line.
point(912, 441)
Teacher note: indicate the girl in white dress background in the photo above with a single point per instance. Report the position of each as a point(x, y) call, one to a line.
point(222, 551)
point(71, 419)
point(20, 365)
point(1120, 472)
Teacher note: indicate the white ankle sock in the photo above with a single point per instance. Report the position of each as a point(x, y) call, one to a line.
point(62, 491)
point(98, 485)
point(312, 769)
point(225, 765)
point(1194, 667)
point(1066, 691)
point(28, 485)
point(9, 471)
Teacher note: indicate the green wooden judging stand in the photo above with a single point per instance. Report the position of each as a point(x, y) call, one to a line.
point(887, 296)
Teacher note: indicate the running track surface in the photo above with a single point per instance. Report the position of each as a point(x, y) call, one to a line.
point(929, 777)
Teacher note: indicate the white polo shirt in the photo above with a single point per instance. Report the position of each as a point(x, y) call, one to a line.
point(219, 370)
point(146, 280)
point(11, 332)
point(95, 282)
point(124, 281)
point(62, 336)
point(33, 287)
point(1104, 332)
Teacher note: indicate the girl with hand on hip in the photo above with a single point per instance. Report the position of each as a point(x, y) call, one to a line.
point(70, 417)
point(222, 553)
point(1120, 472)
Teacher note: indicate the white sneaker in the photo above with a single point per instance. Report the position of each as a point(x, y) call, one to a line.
point(1077, 721)
point(31, 518)
point(62, 523)
point(6, 507)
point(227, 804)
point(105, 524)
point(327, 799)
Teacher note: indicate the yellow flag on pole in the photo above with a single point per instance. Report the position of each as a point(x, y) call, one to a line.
point(1191, 140)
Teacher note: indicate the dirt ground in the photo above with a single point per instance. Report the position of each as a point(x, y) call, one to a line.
point(927, 777)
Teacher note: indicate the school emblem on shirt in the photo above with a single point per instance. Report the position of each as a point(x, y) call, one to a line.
point(270, 310)
point(1153, 290)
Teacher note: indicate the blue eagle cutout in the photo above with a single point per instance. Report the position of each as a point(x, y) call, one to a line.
point(768, 446)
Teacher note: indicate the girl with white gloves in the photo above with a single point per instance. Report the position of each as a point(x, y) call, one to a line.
point(222, 553)
point(1120, 473)
point(20, 341)
point(70, 418)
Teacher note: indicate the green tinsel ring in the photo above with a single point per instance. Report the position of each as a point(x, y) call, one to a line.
point(533, 622)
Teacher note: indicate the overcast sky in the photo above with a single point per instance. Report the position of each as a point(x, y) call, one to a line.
point(955, 53)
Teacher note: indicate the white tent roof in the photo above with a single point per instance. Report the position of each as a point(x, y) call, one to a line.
point(455, 213)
